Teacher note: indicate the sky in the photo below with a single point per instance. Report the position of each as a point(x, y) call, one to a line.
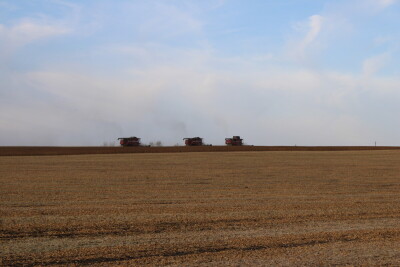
point(290, 72)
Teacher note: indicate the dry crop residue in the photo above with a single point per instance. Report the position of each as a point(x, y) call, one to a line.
point(244, 208)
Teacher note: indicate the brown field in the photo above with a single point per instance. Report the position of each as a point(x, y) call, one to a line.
point(52, 150)
point(244, 208)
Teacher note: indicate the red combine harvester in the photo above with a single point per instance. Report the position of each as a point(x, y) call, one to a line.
point(193, 141)
point(235, 141)
point(129, 141)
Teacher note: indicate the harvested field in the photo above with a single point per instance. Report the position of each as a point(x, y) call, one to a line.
point(48, 151)
point(244, 208)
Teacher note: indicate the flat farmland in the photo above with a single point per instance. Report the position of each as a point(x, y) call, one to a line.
point(53, 150)
point(223, 209)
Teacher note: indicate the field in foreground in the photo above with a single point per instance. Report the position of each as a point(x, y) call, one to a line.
point(242, 208)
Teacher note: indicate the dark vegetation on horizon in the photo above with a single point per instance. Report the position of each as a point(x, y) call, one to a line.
point(43, 151)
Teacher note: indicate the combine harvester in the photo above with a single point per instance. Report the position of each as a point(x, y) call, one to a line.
point(193, 141)
point(234, 141)
point(129, 141)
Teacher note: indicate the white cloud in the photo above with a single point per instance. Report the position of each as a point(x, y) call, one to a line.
point(339, 22)
point(315, 23)
point(385, 3)
point(373, 64)
point(299, 47)
point(27, 32)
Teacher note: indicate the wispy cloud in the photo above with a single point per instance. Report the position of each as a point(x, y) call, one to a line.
point(315, 23)
point(26, 32)
point(385, 3)
point(309, 32)
point(373, 64)
point(337, 22)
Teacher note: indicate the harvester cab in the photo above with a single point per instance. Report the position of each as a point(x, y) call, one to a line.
point(234, 141)
point(129, 141)
point(193, 141)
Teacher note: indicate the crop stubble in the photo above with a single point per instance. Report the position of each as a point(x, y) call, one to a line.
point(249, 208)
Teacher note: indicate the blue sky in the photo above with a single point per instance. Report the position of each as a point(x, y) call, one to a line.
point(291, 72)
